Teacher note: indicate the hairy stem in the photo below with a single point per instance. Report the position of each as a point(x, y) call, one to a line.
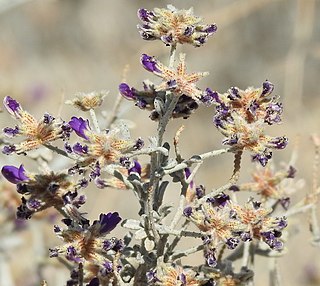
point(95, 120)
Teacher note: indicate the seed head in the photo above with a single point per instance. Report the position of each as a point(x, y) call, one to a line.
point(173, 26)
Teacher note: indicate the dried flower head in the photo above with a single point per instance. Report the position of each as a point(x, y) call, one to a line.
point(87, 244)
point(270, 184)
point(173, 26)
point(87, 101)
point(172, 275)
point(257, 223)
point(228, 223)
point(42, 191)
point(242, 116)
point(177, 81)
point(146, 99)
point(100, 149)
point(37, 133)
point(141, 173)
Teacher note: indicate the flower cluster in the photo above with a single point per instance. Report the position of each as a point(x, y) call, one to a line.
point(87, 244)
point(176, 81)
point(172, 275)
point(271, 185)
point(109, 157)
point(227, 223)
point(146, 99)
point(100, 148)
point(173, 26)
point(42, 191)
point(37, 133)
point(241, 116)
point(87, 101)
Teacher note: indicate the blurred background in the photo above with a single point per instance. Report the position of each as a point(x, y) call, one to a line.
point(51, 49)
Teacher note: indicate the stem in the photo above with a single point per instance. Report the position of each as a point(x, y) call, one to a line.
point(182, 232)
point(215, 192)
point(245, 256)
point(172, 55)
point(274, 274)
point(95, 120)
point(165, 119)
point(115, 110)
point(148, 151)
point(5, 271)
point(156, 158)
point(195, 159)
point(182, 253)
point(58, 151)
point(315, 226)
point(179, 212)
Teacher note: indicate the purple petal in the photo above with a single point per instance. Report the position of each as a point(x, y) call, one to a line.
point(13, 174)
point(211, 29)
point(278, 142)
point(80, 149)
point(9, 149)
point(136, 168)
point(11, 105)
point(80, 126)
point(149, 63)
point(267, 88)
point(126, 91)
point(144, 15)
point(188, 31)
point(11, 132)
point(108, 222)
point(187, 211)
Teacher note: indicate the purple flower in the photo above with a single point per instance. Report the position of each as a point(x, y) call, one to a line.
point(187, 211)
point(187, 172)
point(11, 132)
point(72, 254)
point(144, 15)
point(149, 63)
point(233, 93)
point(12, 105)
point(182, 277)
point(200, 191)
point(33, 204)
point(66, 131)
point(7, 150)
point(126, 91)
point(211, 29)
point(80, 126)
point(219, 200)
point(232, 242)
point(136, 168)
point(107, 268)
point(262, 157)
point(80, 149)
point(47, 118)
point(13, 174)
point(267, 88)
point(210, 258)
point(139, 144)
point(278, 142)
point(108, 222)
point(209, 97)
point(152, 276)
point(188, 31)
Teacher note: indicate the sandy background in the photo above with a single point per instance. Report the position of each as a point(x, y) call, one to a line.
point(50, 49)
